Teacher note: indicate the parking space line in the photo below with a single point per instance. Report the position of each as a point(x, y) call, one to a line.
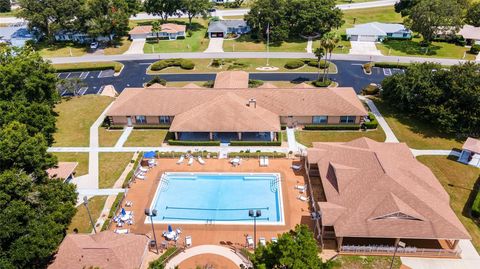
point(63, 93)
point(100, 74)
point(82, 90)
point(68, 75)
point(100, 90)
point(84, 75)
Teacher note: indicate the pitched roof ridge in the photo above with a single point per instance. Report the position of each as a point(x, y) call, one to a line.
point(337, 91)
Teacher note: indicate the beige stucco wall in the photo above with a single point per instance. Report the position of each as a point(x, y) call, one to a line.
point(119, 120)
point(333, 120)
point(297, 119)
point(153, 120)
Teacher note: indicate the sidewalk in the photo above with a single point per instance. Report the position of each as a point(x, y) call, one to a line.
point(390, 136)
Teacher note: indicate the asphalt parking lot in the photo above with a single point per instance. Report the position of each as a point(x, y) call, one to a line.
point(93, 80)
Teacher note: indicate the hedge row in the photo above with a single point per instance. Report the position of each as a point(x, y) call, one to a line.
point(320, 83)
point(295, 64)
point(256, 154)
point(152, 126)
point(391, 65)
point(192, 143)
point(476, 206)
point(113, 209)
point(182, 63)
point(256, 143)
point(331, 127)
point(130, 174)
point(97, 66)
point(173, 154)
point(373, 123)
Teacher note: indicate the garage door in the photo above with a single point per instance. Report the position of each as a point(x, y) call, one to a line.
point(219, 34)
point(367, 38)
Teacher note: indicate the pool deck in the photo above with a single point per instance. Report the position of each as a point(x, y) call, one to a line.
point(295, 211)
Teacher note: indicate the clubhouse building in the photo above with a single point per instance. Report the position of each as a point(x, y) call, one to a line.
point(232, 111)
point(376, 195)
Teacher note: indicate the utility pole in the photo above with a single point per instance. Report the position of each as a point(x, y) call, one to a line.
point(85, 203)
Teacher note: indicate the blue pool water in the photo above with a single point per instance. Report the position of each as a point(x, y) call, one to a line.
point(218, 198)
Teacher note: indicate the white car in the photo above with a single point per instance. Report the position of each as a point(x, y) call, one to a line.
point(94, 45)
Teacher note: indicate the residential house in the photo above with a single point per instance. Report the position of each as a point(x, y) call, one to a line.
point(106, 250)
point(232, 111)
point(376, 31)
point(63, 170)
point(471, 34)
point(376, 195)
point(77, 37)
point(170, 31)
point(17, 35)
point(222, 28)
point(470, 152)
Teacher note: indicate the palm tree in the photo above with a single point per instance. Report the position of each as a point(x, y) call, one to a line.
point(319, 52)
point(329, 42)
point(156, 27)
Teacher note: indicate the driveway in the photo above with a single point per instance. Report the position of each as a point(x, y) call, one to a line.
point(136, 47)
point(215, 45)
point(364, 48)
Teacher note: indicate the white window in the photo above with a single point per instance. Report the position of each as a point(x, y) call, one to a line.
point(140, 119)
point(164, 119)
point(347, 119)
point(320, 119)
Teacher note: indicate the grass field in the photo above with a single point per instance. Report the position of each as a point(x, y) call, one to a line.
point(245, 43)
point(60, 49)
point(458, 180)
point(417, 134)
point(120, 48)
point(146, 138)
point(75, 116)
point(307, 137)
point(197, 42)
point(365, 262)
point(12, 13)
point(249, 65)
point(111, 166)
point(108, 138)
point(81, 221)
point(80, 157)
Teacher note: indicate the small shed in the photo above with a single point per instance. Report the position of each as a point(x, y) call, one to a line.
point(470, 152)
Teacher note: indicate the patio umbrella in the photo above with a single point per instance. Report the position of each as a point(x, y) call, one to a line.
point(170, 228)
point(123, 212)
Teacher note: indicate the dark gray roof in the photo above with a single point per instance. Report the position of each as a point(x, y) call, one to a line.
point(223, 25)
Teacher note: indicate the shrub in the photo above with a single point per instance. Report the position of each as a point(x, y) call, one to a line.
point(152, 126)
point(192, 143)
point(391, 65)
point(159, 263)
point(373, 123)
point(256, 143)
point(331, 127)
point(113, 209)
point(217, 63)
point(237, 65)
point(475, 49)
point(254, 83)
point(208, 84)
point(323, 64)
point(256, 154)
point(320, 83)
point(187, 64)
point(162, 64)
point(294, 64)
point(156, 79)
point(370, 89)
point(476, 206)
point(368, 67)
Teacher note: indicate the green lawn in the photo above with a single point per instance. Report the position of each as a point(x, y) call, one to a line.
point(111, 166)
point(60, 49)
point(245, 43)
point(80, 157)
point(81, 221)
point(436, 49)
point(365, 262)
point(197, 42)
point(12, 13)
point(417, 134)
point(308, 137)
point(146, 138)
point(108, 138)
point(120, 48)
point(75, 116)
point(249, 65)
point(458, 180)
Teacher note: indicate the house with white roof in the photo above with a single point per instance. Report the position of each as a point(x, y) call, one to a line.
point(470, 152)
point(16, 35)
point(377, 31)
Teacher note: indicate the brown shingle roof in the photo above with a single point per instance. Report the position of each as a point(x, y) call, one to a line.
point(142, 29)
point(62, 170)
point(172, 28)
point(380, 190)
point(472, 145)
point(105, 250)
point(267, 85)
point(235, 113)
point(192, 86)
point(231, 80)
point(283, 102)
point(303, 85)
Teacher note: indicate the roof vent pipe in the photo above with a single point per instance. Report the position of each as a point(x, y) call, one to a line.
point(252, 102)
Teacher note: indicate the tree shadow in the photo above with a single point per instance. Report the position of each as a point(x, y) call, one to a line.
point(467, 209)
point(411, 47)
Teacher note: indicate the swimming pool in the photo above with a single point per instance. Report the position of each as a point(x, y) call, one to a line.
point(218, 198)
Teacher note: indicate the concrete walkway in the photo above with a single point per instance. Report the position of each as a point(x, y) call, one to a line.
point(166, 149)
point(434, 152)
point(136, 47)
point(390, 136)
point(364, 48)
point(204, 249)
point(309, 45)
point(95, 192)
point(123, 138)
point(215, 45)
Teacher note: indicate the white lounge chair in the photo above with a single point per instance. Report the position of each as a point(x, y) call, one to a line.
point(128, 204)
point(121, 231)
point(296, 167)
point(301, 188)
point(263, 241)
point(190, 160)
point(302, 198)
point(200, 160)
point(235, 161)
point(180, 161)
point(140, 176)
point(249, 241)
point(143, 169)
point(188, 241)
point(263, 161)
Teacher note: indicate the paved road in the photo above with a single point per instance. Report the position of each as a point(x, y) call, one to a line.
point(234, 12)
point(350, 74)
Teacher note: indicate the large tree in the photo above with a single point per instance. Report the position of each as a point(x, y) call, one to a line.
point(308, 17)
point(133, 7)
point(5, 6)
point(447, 99)
point(34, 210)
point(195, 8)
point(433, 17)
point(268, 16)
point(106, 18)
point(162, 8)
point(296, 249)
point(473, 15)
point(50, 16)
